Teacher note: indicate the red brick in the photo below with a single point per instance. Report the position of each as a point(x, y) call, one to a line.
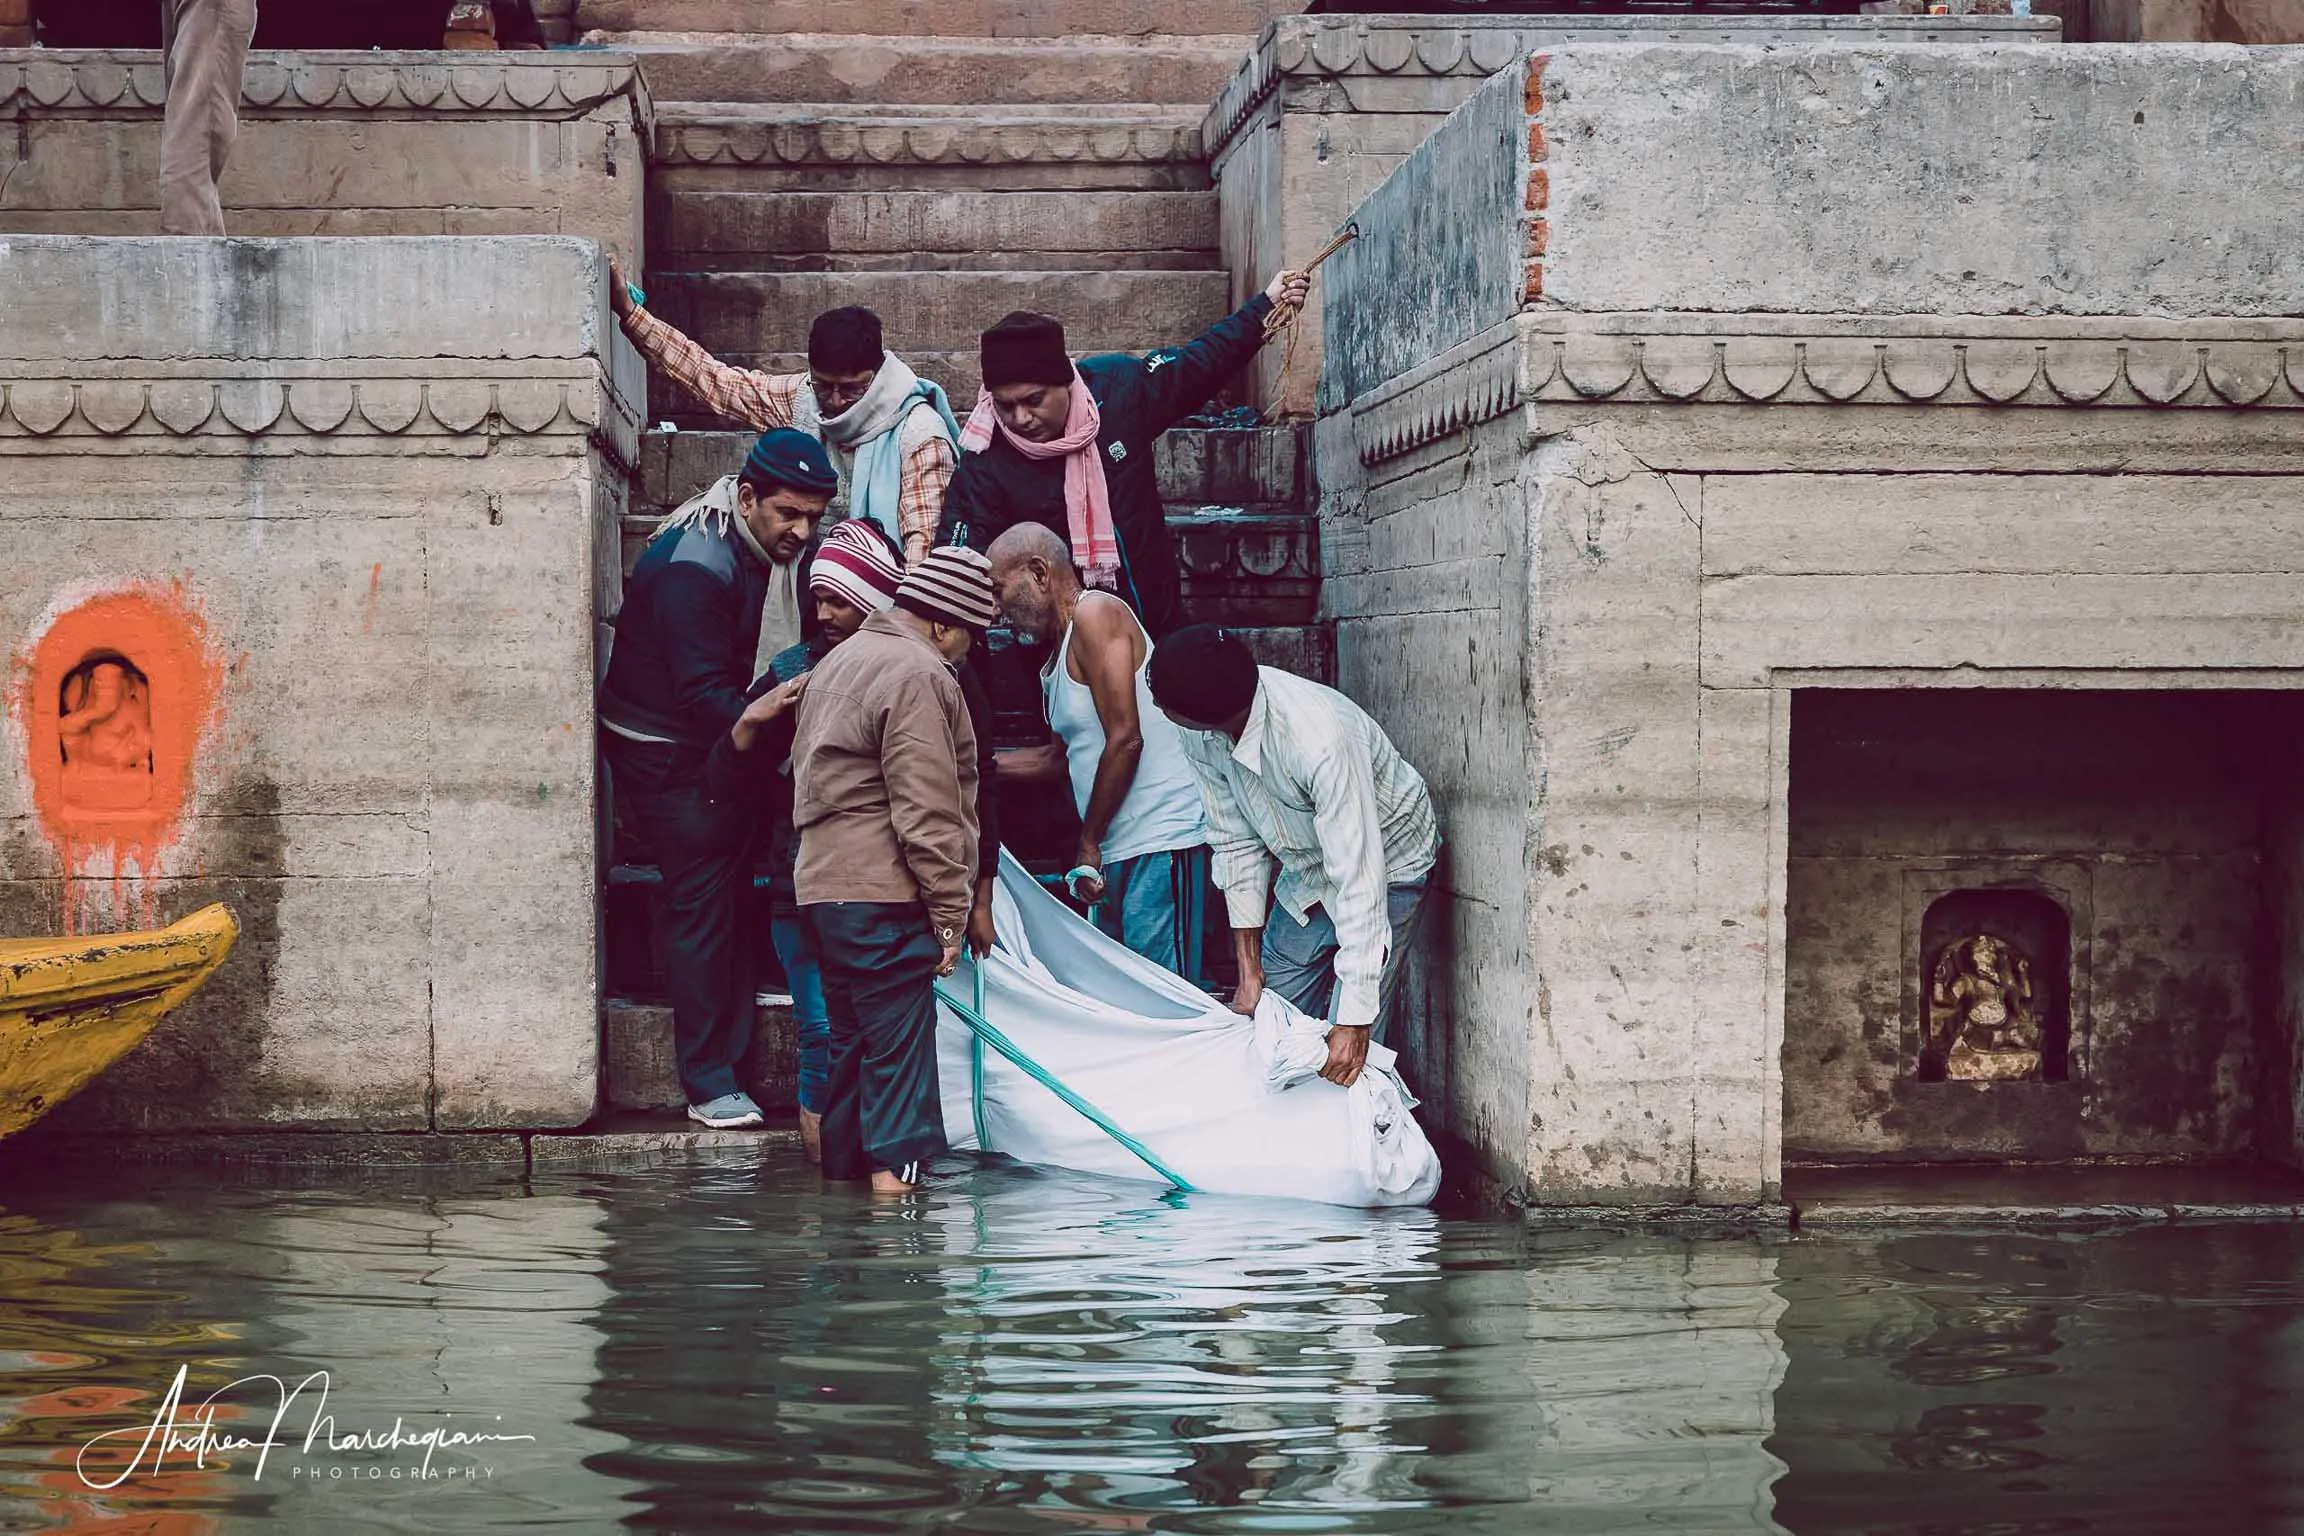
point(1535, 141)
point(1536, 63)
point(1539, 237)
point(1535, 288)
point(1539, 188)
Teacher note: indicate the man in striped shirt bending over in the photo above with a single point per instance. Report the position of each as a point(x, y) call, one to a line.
point(1297, 775)
point(891, 433)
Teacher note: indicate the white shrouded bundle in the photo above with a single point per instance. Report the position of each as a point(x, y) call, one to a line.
point(1228, 1104)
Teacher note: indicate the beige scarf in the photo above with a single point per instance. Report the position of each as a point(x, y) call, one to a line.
point(714, 508)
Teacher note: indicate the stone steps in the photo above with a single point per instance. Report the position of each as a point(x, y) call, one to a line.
point(828, 147)
point(1250, 553)
point(882, 71)
point(947, 18)
point(1241, 470)
point(639, 1070)
point(1101, 310)
point(760, 319)
point(936, 230)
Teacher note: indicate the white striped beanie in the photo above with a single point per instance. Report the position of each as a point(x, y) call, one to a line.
point(952, 585)
point(857, 565)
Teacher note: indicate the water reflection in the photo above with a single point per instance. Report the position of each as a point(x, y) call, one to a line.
point(2149, 1381)
point(726, 1347)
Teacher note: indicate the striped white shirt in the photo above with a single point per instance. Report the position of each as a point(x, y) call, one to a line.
point(1315, 786)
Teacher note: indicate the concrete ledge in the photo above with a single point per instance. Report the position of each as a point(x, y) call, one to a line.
point(612, 1141)
point(1938, 1217)
point(651, 1144)
point(286, 1149)
point(341, 143)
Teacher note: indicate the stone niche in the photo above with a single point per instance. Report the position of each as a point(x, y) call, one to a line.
point(2120, 848)
point(1785, 555)
point(374, 143)
point(306, 540)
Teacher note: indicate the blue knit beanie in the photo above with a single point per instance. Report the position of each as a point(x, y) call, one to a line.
point(787, 457)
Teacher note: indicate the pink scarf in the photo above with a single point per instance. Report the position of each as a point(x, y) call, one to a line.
point(1087, 504)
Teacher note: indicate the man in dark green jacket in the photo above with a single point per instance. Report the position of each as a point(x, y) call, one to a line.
point(1069, 446)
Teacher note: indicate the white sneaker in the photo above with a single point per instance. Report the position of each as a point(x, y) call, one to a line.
point(729, 1112)
point(772, 999)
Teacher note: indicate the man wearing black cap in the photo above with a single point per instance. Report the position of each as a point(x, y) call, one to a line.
point(714, 594)
point(1297, 775)
point(889, 431)
point(885, 785)
point(1070, 446)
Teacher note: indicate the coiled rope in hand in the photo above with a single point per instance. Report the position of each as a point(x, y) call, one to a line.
point(1282, 315)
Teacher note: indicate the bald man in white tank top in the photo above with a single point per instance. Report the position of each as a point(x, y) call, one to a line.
point(1143, 852)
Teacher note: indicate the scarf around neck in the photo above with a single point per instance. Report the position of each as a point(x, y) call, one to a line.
point(865, 440)
point(713, 509)
point(1087, 501)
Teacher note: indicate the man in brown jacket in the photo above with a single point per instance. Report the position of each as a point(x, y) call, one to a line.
point(884, 770)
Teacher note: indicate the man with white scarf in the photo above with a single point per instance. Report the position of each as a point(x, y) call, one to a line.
point(891, 433)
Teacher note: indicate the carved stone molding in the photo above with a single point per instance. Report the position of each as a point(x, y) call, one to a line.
point(730, 141)
point(1477, 380)
point(260, 407)
point(1827, 360)
point(1315, 49)
point(100, 81)
point(1918, 360)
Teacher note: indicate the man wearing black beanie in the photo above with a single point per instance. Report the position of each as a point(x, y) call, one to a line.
point(1297, 776)
point(688, 641)
point(1069, 446)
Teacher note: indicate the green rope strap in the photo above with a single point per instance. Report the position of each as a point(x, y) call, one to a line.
point(976, 1060)
point(985, 1034)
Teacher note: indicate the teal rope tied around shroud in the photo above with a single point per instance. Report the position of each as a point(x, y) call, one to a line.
point(985, 1034)
point(976, 1058)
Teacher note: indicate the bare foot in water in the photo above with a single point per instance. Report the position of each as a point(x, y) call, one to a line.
point(812, 1135)
point(896, 1181)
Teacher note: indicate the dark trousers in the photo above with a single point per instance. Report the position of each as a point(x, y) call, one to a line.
point(882, 1103)
point(703, 850)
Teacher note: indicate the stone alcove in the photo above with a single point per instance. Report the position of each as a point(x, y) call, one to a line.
point(104, 737)
point(2122, 853)
point(1994, 986)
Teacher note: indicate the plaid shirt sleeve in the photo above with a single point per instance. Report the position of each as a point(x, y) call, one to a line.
point(759, 400)
point(928, 466)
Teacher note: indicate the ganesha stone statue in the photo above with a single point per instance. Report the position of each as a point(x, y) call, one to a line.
point(1983, 1020)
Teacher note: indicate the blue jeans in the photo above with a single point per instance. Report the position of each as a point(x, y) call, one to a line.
point(1156, 904)
point(1300, 958)
point(809, 1020)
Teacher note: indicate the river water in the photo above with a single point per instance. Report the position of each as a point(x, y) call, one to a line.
point(726, 1347)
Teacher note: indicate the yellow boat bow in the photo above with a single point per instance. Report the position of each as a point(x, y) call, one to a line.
point(69, 1008)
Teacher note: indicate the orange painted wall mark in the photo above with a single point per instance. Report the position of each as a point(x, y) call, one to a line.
point(113, 700)
point(375, 586)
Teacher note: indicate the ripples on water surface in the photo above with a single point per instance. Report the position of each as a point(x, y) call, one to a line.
point(725, 1348)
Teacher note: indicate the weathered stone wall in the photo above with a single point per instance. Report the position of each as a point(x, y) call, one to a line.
point(1721, 501)
point(1925, 182)
point(379, 480)
point(1432, 614)
point(1327, 107)
point(341, 144)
